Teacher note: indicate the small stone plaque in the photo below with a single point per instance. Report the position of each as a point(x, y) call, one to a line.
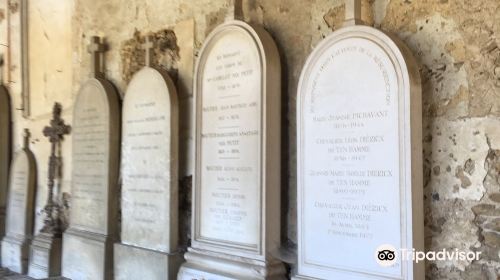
point(89, 258)
point(359, 157)
point(20, 210)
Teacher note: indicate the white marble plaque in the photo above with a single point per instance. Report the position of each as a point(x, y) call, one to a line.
point(236, 187)
point(236, 192)
point(95, 157)
point(230, 148)
point(358, 147)
point(150, 162)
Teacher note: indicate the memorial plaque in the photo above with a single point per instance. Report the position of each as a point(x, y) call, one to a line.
point(149, 177)
point(359, 160)
point(5, 142)
point(230, 145)
point(88, 242)
point(20, 209)
point(149, 162)
point(237, 175)
point(96, 135)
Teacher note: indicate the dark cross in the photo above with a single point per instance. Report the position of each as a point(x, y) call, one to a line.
point(1, 68)
point(96, 48)
point(55, 132)
point(352, 12)
point(26, 138)
point(238, 10)
point(149, 46)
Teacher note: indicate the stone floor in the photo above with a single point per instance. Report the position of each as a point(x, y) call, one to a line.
point(6, 274)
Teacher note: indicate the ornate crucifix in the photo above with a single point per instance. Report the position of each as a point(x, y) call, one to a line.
point(352, 12)
point(55, 132)
point(148, 46)
point(96, 48)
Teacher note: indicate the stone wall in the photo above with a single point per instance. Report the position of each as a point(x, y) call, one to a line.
point(456, 43)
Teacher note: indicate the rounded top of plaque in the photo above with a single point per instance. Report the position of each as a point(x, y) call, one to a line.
point(151, 79)
point(365, 39)
point(267, 50)
point(24, 158)
point(98, 85)
point(23, 155)
point(228, 27)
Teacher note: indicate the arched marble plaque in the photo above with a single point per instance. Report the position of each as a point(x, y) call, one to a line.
point(87, 244)
point(20, 211)
point(96, 139)
point(236, 194)
point(149, 172)
point(359, 158)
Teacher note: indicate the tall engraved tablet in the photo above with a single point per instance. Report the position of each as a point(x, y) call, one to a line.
point(236, 204)
point(149, 231)
point(359, 160)
point(20, 210)
point(5, 142)
point(88, 242)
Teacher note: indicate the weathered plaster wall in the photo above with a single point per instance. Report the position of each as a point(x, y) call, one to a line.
point(456, 43)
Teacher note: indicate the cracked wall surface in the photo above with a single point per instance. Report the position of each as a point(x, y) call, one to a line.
point(455, 42)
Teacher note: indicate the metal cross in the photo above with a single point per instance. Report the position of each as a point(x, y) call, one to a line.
point(96, 48)
point(26, 138)
point(236, 13)
point(238, 10)
point(352, 12)
point(148, 46)
point(55, 132)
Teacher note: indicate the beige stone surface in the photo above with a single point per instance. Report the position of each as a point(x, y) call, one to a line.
point(87, 255)
point(50, 74)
